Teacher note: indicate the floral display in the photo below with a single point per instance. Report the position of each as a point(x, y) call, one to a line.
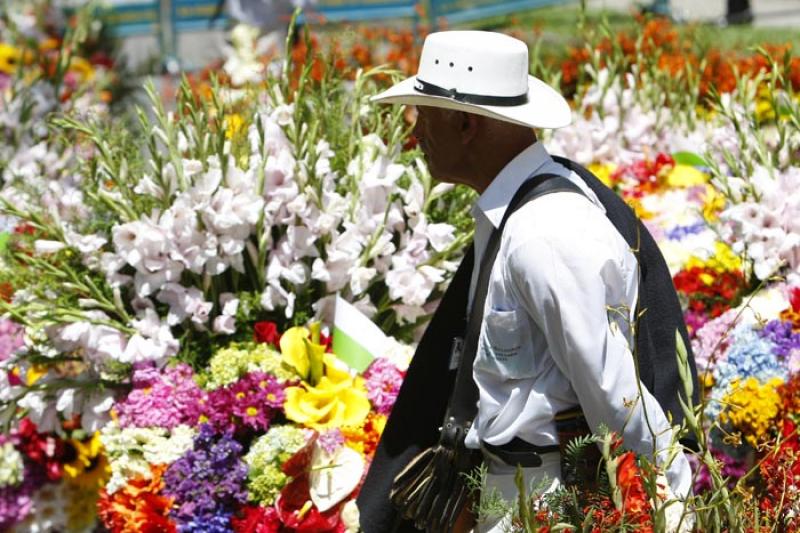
point(168, 289)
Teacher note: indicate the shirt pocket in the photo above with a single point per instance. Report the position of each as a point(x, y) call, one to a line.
point(501, 350)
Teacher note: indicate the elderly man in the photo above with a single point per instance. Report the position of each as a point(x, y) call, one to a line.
point(560, 295)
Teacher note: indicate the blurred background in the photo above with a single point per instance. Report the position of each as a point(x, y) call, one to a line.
point(173, 35)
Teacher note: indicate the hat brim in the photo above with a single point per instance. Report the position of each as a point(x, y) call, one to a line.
point(545, 108)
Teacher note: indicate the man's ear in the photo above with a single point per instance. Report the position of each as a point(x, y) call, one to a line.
point(470, 126)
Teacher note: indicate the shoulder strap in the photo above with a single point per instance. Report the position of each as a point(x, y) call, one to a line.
point(464, 399)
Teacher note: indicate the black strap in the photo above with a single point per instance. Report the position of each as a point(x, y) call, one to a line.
point(478, 99)
point(464, 399)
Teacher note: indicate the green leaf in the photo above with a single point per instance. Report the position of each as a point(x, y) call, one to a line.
point(689, 158)
point(3, 240)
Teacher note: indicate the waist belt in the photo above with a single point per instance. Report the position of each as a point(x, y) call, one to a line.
point(517, 452)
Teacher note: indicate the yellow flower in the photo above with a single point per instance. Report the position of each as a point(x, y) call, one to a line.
point(9, 58)
point(90, 468)
point(751, 407)
point(233, 125)
point(603, 171)
point(301, 354)
point(686, 176)
point(713, 203)
point(638, 208)
point(83, 68)
point(338, 399)
point(34, 373)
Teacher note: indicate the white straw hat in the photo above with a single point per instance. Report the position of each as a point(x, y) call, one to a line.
point(484, 73)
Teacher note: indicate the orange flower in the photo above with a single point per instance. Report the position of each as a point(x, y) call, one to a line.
point(138, 507)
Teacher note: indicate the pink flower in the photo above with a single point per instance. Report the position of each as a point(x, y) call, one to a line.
point(164, 398)
point(383, 381)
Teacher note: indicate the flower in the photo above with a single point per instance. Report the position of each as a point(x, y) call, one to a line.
point(266, 331)
point(264, 460)
point(207, 482)
point(364, 438)
point(383, 382)
point(11, 466)
point(11, 338)
point(751, 408)
point(251, 402)
point(89, 470)
point(337, 400)
point(256, 519)
point(229, 364)
point(781, 334)
point(131, 451)
point(711, 341)
point(161, 398)
point(9, 58)
point(138, 505)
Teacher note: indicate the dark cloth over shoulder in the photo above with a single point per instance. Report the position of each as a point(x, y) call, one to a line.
point(418, 413)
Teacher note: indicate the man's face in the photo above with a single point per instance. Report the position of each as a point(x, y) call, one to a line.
point(438, 132)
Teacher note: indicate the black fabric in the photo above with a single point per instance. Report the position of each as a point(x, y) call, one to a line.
point(478, 99)
point(418, 413)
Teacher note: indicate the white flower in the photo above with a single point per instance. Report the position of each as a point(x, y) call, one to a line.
point(42, 247)
point(360, 279)
point(334, 476)
point(440, 235)
point(351, 517)
point(12, 469)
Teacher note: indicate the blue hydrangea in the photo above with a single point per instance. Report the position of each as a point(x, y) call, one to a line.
point(749, 354)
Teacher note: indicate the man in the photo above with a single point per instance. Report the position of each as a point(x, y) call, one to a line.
point(562, 294)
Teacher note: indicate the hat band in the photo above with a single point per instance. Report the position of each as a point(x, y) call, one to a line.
point(478, 99)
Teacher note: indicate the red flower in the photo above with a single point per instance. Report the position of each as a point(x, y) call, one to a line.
point(46, 451)
point(256, 519)
point(267, 331)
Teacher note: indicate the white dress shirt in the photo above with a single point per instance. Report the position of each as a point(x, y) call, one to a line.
point(556, 326)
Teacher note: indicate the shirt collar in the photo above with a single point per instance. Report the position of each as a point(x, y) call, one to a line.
point(495, 199)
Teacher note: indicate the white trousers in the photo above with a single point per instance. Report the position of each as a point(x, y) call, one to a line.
point(500, 478)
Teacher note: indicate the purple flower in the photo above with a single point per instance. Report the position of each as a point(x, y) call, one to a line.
point(15, 501)
point(783, 339)
point(383, 381)
point(161, 397)
point(208, 482)
point(732, 468)
point(251, 401)
point(679, 232)
point(694, 320)
point(331, 440)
